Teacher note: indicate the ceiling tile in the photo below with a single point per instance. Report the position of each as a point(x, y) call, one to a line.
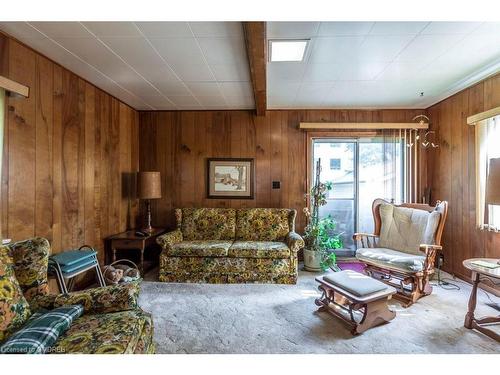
point(284, 89)
point(291, 30)
point(241, 89)
point(184, 101)
point(193, 72)
point(165, 29)
point(240, 101)
point(159, 102)
point(217, 29)
point(285, 71)
point(360, 71)
point(400, 70)
point(344, 28)
point(231, 72)
point(488, 28)
point(450, 28)
point(20, 30)
point(212, 101)
point(321, 72)
point(428, 47)
point(204, 88)
point(62, 29)
point(224, 50)
point(177, 51)
point(382, 48)
point(176, 88)
point(398, 28)
point(335, 49)
point(113, 29)
point(140, 88)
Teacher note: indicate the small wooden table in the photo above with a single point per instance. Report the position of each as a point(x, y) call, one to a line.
point(130, 241)
point(481, 274)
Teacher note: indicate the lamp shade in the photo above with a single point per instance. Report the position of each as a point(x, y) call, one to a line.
point(148, 185)
point(493, 183)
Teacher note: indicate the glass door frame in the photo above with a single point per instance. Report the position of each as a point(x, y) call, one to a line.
point(340, 137)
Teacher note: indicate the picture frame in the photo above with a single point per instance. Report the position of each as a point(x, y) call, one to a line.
point(230, 178)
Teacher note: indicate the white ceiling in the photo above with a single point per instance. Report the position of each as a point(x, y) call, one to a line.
point(150, 65)
point(203, 65)
point(381, 64)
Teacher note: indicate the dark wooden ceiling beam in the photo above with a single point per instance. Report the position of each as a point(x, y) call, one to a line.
point(255, 40)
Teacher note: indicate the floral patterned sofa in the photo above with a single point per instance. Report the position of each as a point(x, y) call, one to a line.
point(226, 245)
point(112, 321)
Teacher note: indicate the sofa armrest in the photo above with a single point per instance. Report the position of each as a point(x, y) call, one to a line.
point(366, 239)
point(294, 241)
point(430, 252)
point(167, 240)
point(111, 298)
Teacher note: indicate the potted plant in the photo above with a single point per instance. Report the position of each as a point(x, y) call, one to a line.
point(319, 238)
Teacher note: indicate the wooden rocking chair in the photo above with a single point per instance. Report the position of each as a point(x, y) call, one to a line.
point(405, 260)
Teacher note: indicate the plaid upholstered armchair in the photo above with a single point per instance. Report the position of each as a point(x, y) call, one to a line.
point(112, 321)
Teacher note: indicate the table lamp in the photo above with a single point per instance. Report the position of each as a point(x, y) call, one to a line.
point(148, 187)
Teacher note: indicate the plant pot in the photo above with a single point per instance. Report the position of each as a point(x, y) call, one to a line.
point(312, 260)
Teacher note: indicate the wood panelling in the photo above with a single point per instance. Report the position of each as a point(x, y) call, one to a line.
point(451, 174)
point(178, 143)
point(70, 151)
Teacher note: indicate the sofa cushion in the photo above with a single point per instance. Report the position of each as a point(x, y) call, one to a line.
point(41, 331)
point(391, 259)
point(208, 223)
point(262, 224)
point(118, 332)
point(14, 309)
point(404, 229)
point(259, 249)
point(206, 248)
point(354, 282)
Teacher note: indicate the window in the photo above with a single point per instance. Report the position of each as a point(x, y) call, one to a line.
point(335, 164)
point(487, 136)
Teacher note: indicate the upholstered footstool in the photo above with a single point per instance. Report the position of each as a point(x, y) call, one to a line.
point(356, 299)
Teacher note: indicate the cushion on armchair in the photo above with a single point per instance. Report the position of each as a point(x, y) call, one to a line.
point(14, 309)
point(391, 259)
point(404, 229)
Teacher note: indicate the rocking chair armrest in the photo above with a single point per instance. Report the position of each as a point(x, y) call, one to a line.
point(357, 236)
point(430, 256)
point(427, 249)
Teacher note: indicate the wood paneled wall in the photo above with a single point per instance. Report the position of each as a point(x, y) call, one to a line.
point(178, 143)
point(451, 174)
point(69, 150)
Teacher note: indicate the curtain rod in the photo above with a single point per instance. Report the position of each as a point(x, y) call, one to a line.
point(14, 87)
point(363, 125)
point(474, 119)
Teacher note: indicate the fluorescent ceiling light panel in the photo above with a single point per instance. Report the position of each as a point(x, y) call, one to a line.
point(287, 50)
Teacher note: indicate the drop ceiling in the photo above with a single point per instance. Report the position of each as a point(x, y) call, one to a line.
point(150, 65)
point(381, 64)
point(203, 65)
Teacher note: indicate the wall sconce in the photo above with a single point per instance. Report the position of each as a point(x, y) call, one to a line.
point(425, 142)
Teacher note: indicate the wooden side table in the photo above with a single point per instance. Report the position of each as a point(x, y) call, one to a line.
point(131, 241)
point(480, 274)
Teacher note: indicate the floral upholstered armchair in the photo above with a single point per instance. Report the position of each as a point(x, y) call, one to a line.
point(112, 321)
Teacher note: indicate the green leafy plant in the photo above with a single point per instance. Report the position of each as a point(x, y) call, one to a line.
point(319, 233)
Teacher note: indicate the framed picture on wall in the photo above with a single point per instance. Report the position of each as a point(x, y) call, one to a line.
point(230, 178)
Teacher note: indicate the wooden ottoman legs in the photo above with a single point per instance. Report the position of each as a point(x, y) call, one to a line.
point(373, 312)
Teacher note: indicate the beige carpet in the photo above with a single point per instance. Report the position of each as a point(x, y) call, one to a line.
point(261, 318)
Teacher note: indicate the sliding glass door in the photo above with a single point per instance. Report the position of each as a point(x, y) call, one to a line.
point(361, 170)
